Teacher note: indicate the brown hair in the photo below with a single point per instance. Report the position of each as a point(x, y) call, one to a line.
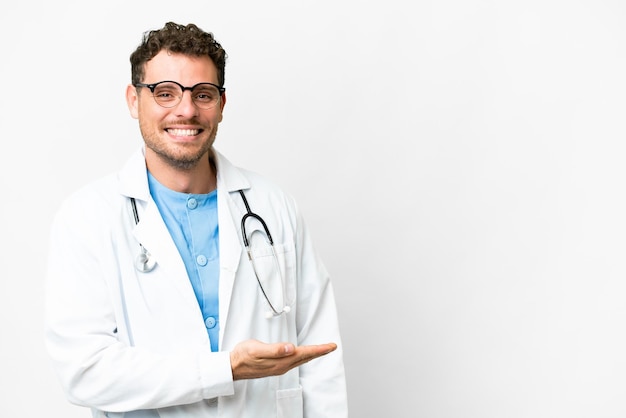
point(188, 40)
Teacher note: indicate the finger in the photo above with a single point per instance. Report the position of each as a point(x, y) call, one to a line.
point(310, 352)
point(319, 349)
point(275, 351)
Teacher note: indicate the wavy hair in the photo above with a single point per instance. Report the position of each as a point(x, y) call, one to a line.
point(188, 40)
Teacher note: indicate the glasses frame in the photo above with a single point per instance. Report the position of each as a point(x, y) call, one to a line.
point(152, 86)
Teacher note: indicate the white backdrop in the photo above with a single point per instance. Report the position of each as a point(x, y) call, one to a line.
point(460, 163)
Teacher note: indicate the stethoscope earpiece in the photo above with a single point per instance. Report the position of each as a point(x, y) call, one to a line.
point(273, 314)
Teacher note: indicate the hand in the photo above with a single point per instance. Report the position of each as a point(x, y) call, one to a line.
point(252, 359)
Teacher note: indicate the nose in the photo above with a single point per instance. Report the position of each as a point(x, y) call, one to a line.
point(186, 107)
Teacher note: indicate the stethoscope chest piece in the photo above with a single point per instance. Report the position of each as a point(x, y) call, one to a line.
point(144, 261)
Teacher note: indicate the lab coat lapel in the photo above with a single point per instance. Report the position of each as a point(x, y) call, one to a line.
point(229, 180)
point(151, 231)
point(153, 234)
point(230, 254)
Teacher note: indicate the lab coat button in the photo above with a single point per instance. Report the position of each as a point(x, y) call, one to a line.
point(210, 322)
point(192, 203)
point(201, 260)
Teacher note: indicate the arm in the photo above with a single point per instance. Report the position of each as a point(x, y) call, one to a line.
point(84, 327)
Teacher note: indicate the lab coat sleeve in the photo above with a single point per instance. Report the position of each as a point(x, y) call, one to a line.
point(323, 379)
point(96, 368)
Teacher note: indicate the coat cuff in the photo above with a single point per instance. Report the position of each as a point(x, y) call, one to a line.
point(216, 376)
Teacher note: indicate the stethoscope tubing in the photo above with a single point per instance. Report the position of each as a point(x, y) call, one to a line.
point(249, 214)
point(145, 262)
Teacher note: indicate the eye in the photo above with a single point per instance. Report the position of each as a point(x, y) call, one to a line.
point(166, 92)
point(206, 95)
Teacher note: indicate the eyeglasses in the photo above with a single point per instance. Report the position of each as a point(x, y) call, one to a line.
point(170, 93)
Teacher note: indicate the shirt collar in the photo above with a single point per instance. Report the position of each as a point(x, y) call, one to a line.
point(133, 177)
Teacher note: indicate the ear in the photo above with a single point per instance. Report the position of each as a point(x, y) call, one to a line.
point(132, 100)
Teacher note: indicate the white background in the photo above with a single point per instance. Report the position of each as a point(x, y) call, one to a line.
point(460, 163)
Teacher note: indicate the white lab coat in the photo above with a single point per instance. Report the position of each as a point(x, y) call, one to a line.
point(132, 344)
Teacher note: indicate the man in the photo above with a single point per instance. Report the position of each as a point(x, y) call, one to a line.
point(184, 286)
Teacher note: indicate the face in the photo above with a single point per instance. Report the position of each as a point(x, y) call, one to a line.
point(180, 136)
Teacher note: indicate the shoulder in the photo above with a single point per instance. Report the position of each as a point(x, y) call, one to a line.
point(234, 178)
point(91, 204)
point(102, 196)
point(267, 191)
point(264, 195)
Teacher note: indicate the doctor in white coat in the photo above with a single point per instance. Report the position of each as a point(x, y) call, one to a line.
point(135, 325)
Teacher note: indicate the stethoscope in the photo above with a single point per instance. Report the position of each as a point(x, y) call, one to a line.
point(145, 262)
point(273, 310)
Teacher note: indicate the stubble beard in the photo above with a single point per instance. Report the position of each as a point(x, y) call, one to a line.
point(175, 158)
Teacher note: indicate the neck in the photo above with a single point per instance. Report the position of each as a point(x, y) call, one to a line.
point(199, 179)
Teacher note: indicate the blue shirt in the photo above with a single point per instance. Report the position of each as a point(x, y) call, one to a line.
point(192, 222)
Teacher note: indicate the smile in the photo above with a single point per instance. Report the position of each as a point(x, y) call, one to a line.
point(183, 132)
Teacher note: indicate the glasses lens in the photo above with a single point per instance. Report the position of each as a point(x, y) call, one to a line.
point(167, 94)
point(205, 96)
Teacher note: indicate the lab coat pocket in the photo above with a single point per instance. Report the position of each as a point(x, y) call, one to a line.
point(289, 403)
point(274, 268)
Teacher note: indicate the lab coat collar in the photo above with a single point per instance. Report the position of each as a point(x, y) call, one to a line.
point(134, 178)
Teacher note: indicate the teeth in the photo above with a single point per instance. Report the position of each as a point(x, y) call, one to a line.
point(183, 132)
